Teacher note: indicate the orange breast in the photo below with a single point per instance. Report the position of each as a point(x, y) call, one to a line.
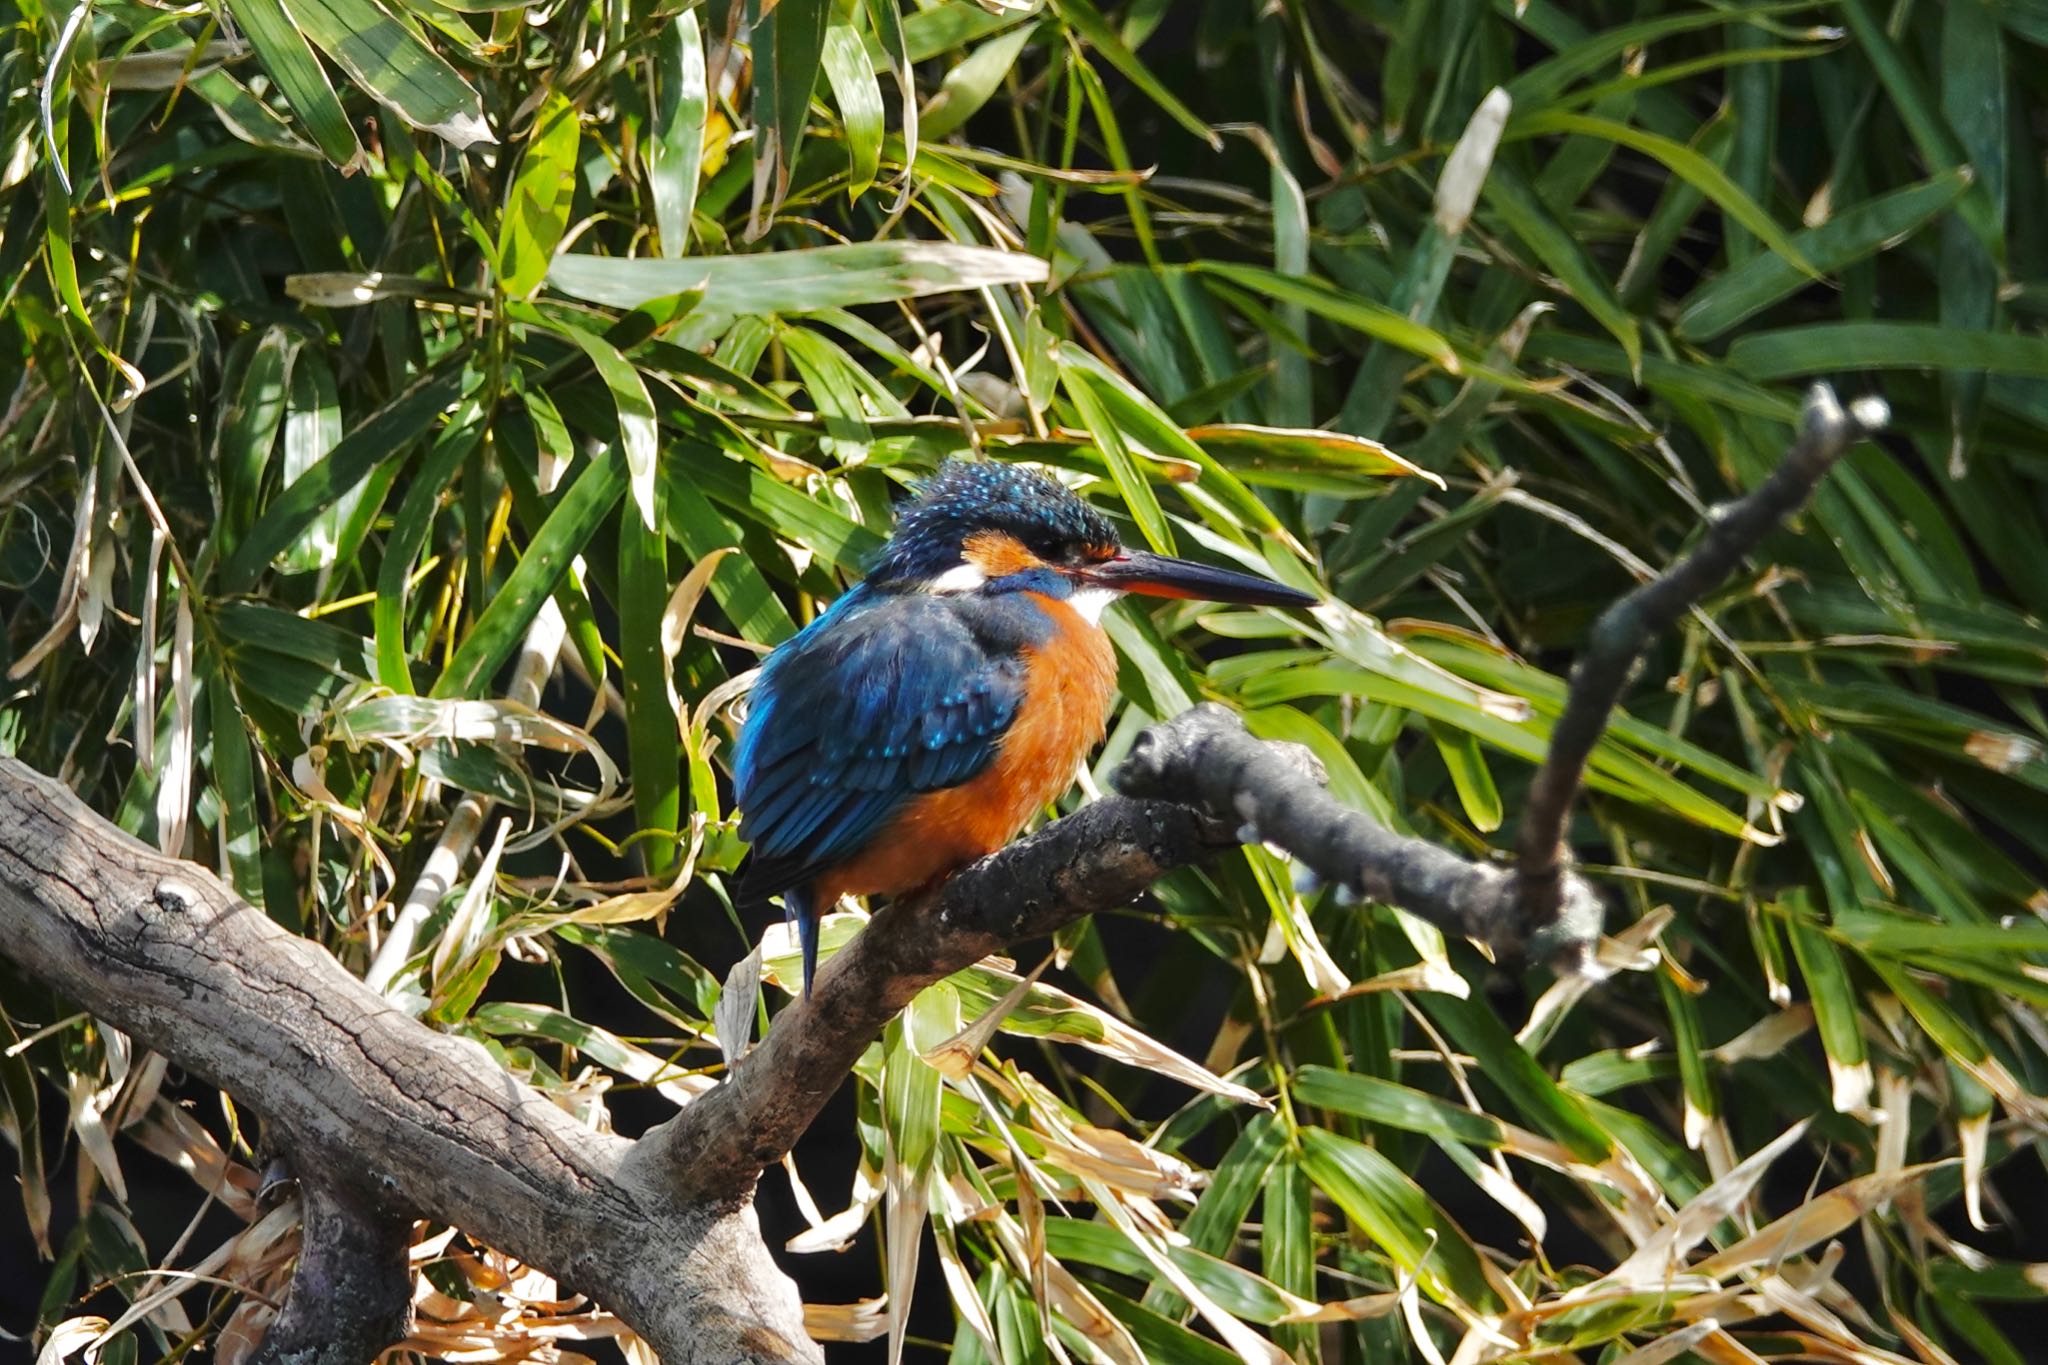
point(1068, 683)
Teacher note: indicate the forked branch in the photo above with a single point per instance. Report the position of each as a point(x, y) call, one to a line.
point(401, 1122)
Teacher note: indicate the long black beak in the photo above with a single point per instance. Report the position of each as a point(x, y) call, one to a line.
point(1160, 576)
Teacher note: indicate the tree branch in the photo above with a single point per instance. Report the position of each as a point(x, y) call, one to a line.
point(1101, 857)
point(401, 1122)
point(406, 1122)
point(351, 1293)
point(1206, 753)
point(1826, 431)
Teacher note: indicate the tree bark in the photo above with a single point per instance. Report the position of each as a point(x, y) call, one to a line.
point(403, 1121)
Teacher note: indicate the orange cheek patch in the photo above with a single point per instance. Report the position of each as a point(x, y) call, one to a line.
point(998, 555)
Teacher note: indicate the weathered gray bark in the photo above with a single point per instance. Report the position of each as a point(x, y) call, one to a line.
point(402, 1122)
point(351, 1292)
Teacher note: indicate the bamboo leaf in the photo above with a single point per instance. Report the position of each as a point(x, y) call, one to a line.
point(537, 212)
point(1876, 225)
point(1828, 347)
point(675, 155)
point(381, 436)
point(797, 281)
point(852, 78)
point(290, 61)
point(565, 534)
point(391, 64)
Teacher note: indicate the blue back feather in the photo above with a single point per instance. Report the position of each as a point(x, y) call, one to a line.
point(886, 696)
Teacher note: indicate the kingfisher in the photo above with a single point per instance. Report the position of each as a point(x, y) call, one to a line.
point(918, 723)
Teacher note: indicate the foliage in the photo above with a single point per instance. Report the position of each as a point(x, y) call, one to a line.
point(354, 348)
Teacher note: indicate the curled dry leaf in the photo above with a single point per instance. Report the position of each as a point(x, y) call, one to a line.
point(1671, 1345)
point(1767, 1037)
point(1115, 1159)
point(173, 1135)
point(837, 1232)
point(73, 1335)
point(675, 621)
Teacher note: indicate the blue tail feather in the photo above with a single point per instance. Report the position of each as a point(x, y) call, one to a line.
point(801, 912)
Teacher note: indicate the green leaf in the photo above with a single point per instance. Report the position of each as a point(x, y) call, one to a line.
point(740, 590)
point(247, 433)
point(652, 740)
point(1392, 1210)
point(234, 776)
point(565, 535)
point(789, 45)
point(637, 438)
point(1471, 1024)
point(1162, 1338)
point(409, 530)
point(394, 67)
point(1236, 1290)
point(290, 62)
point(312, 429)
point(1830, 347)
point(852, 78)
point(538, 211)
point(1287, 1250)
point(1138, 417)
point(1530, 219)
point(1835, 1009)
point(1087, 21)
point(1540, 83)
point(1396, 1106)
point(675, 152)
point(1852, 235)
point(1460, 752)
point(967, 85)
point(1345, 309)
point(1110, 440)
point(1929, 131)
point(797, 281)
point(383, 435)
point(910, 1085)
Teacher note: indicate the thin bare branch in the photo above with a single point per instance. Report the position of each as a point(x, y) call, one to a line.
point(1274, 792)
point(1734, 530)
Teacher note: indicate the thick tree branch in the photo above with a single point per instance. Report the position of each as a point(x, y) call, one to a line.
point(404, 1122)
point(351, 1293)
point(1826, 431)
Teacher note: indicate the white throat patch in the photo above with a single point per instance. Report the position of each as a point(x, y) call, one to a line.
point(1088, 603)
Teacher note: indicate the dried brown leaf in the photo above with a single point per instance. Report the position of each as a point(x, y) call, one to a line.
point(1820, 1217)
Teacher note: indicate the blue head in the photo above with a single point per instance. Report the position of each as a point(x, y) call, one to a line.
point(989, 520)
point(990, 528)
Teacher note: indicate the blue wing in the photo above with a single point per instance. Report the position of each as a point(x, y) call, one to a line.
point(883, 697)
